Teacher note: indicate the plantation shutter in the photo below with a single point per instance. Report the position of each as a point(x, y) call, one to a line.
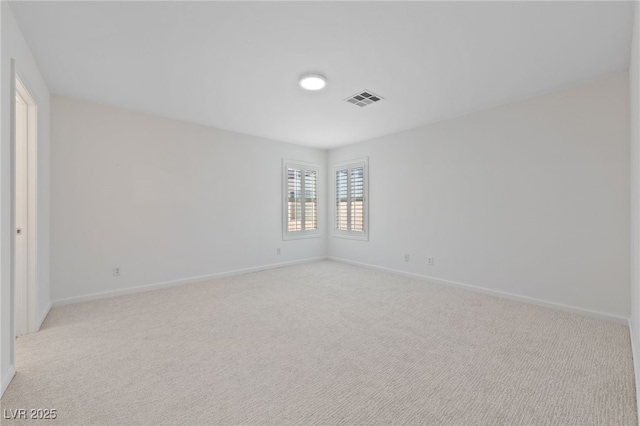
point(342, 200)
point(300, 215)
point(350, 193)
point(310, 199)
point(294, 186)
point(356, 188)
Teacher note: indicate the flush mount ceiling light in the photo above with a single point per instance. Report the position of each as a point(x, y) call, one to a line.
point(313, 82)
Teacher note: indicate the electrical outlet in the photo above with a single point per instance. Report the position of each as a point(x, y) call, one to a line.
point(278, 251)
point(430, 261)
point(406, 257)
point(116, 271)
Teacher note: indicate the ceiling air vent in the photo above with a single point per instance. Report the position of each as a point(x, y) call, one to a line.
point(364, 98)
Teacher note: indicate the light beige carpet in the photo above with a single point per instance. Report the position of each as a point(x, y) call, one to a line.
point(323, 343)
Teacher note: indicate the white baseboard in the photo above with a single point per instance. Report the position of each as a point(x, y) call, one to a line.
point(182, 281)
point(511, 296)
point(7, 376)
point(505, 295)
point(43, 316)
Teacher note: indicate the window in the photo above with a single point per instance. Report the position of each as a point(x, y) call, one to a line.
point(351, 204)
point(300, 200)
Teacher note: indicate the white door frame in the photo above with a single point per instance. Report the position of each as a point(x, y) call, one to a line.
point(24, 293)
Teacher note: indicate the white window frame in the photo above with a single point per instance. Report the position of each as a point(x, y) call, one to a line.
point(304, 233)
point(354, 235)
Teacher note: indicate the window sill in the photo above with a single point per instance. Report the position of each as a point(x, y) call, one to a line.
point(352, 237)
point(302, 236)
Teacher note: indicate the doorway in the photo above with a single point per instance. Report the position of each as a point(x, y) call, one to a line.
point(25, 320)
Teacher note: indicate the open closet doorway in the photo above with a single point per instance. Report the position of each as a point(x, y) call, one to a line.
point(25, 149)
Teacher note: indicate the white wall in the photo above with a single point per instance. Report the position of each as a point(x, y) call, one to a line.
point(14, 46)
point(163, 200)
point(634, 86)
point(530, 198)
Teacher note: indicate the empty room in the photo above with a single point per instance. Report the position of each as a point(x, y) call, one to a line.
point(330, 213)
